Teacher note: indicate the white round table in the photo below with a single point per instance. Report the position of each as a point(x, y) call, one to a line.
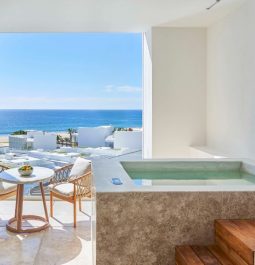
point(39, 175)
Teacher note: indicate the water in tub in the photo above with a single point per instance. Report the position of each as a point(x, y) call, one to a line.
point(150, 175)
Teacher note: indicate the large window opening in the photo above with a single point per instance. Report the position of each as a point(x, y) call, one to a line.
point(69, 95)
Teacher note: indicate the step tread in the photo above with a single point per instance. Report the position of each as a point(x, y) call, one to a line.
point(205, 255)
point(244, 230)
point(200, 255)
point(238, 235)
point(186, 255)
point(220, 255)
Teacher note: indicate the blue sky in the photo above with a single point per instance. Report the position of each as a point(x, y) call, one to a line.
point(70, 71)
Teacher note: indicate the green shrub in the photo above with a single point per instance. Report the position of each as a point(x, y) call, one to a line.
point(20, 132)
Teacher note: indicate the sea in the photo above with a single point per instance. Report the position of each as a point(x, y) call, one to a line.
point(61, 120)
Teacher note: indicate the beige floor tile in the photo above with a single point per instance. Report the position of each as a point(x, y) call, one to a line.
point(7, 208)
point(61, 244)
point(29, 207)
point(3, 220)
point(61, 207)
point(18, 249)
point(65, 246)
point(67, 221)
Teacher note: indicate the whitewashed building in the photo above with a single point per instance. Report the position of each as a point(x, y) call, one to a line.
point(93, 136)
point(45, 141)
point(128, 139)
point(18, 142)
point(33, 140)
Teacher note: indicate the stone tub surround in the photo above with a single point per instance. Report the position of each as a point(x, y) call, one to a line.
point(142, 225)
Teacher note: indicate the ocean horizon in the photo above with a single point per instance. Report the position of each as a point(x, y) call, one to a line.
point(12, 120)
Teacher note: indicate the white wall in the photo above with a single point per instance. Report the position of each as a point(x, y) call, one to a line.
point(147, 96)
point(93, 136)
point(45, 141)
point(126, 139)
point(18, 142)
point(32, 134)
point(178, 90)
point(231, 83)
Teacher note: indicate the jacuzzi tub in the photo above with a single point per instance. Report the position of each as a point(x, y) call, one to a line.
point(156, 173)
point(176, 205)
point(175, 175)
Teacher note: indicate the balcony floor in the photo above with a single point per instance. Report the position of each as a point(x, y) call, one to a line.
point(60, 244)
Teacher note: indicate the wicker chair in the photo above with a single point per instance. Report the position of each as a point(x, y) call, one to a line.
point(7, 190)
point(70, 188)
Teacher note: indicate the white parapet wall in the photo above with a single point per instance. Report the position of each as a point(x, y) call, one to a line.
point(128, 139)
point(18, 142)
point(93, 136)
point(33, 133)
point(45, 141)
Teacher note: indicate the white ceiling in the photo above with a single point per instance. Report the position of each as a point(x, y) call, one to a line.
point(107, 15)
point(206, 18)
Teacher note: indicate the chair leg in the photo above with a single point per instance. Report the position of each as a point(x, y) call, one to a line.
point(17, 200)
point(74, 213)
point(80, 204)
point(51, 204)
point(44, 202)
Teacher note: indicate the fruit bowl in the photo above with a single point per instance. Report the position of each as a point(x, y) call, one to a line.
point(26, 171)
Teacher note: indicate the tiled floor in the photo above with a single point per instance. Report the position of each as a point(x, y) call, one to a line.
point(60, 244)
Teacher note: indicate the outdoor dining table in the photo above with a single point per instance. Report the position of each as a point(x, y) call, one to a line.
point(39, 175)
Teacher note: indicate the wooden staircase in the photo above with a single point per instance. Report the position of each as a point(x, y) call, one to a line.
point(234, 245)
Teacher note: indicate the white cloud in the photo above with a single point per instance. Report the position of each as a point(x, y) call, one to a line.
point(109, 88)
point(70, 103)
point(129, 89)
point(122, 89)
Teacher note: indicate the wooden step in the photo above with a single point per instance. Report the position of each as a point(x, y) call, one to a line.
point(221, 255)
point(233, 256)
point(186, 255)
point(237, 239)
point(199, 255)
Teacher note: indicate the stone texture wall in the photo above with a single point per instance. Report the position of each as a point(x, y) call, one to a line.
point(136, 228)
